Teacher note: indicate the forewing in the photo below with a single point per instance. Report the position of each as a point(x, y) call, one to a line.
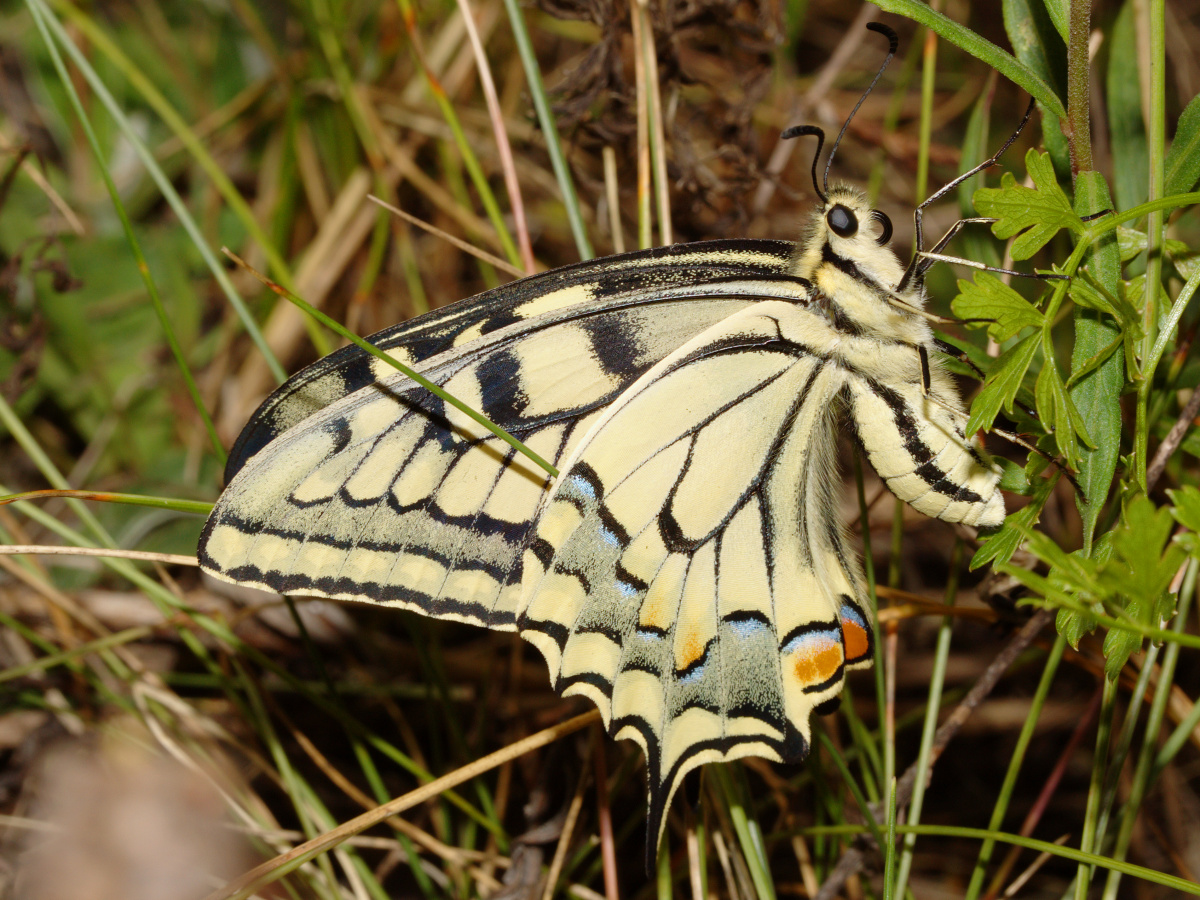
point(712, 478)
point(632, 279)
point(389, 495)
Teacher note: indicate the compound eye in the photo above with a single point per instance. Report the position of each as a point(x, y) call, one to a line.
point(885, 224)
point(842, 222)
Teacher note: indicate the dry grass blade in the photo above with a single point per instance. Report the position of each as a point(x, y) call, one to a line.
point(489, 258)
point(276, 868)
point(168, 559)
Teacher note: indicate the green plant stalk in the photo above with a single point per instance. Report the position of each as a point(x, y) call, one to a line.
point(1091, 816)
point(549, 128)
point(168, 604)
point(199, 507)
point(1116, 764)
point(983, 834)
point(291, 782)
point(451, 172)
point(991, 835)
point(890, 887)
point(43, 463)
point(925, 132)
point(979, 47)
point(937, 682)
point(854, 787)
point(662, 879)
point(1078, 130)
point(1143, 774)
point(1150, 364)
point(101, 682)
point(1156, 136)
point(749, 837)
point(658, 149)
point(869, 570)
point(66, 657)
point(39, 9)
point(135, 246)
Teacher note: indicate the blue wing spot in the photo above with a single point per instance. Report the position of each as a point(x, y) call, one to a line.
point(810, 639)
point(581, 486)
point(748, 628)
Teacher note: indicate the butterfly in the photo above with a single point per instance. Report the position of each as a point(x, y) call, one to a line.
point(686, 571)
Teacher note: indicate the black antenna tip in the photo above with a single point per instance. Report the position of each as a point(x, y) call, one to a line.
point(800, 131)
point(886, 31)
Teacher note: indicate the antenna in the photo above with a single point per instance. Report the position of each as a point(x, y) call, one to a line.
point(796, 131)
point(893, 43)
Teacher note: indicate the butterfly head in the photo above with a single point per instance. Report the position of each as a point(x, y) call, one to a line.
point(851, 224)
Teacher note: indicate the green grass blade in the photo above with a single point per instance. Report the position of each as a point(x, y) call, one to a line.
point(39, 9)
point(541, 103)
point(979, 47)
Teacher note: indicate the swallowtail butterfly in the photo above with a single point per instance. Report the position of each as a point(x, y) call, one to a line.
point(687, 570)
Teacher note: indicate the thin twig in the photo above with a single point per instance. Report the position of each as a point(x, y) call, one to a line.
point(1172, 441)
point(465, 246)
point(503, 148)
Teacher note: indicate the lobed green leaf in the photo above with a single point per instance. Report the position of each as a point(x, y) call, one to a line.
point(1035, 213)
point(987, 297)
point(1000, 390)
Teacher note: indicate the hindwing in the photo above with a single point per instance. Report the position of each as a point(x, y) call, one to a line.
point(688, 574)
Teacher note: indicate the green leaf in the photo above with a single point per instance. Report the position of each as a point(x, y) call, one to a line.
point(1183, 159)
point(1036, 43)
point(987, 297)
point(1037, 213)
point(1131, 242)
point(1002, 385)
point(1137, 576)
point(1059, 414)
point(1013, 478)
point(1187, 513)
point(979, 47)
point(1000, 547)
point(1074, 623)
point(1097, 373)
point(1127, 130)
point(1083, 368)
point(1060, 15)
point(1186, 263)
point(1119, 643)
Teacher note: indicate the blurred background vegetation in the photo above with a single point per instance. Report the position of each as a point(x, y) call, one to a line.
point(263, 125)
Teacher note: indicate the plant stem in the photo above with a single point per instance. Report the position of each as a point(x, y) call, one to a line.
point(1078, 125)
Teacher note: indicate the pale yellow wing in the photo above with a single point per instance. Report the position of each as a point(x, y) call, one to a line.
point(689, 574)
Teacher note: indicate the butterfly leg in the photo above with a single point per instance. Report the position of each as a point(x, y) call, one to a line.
point(913, 272)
